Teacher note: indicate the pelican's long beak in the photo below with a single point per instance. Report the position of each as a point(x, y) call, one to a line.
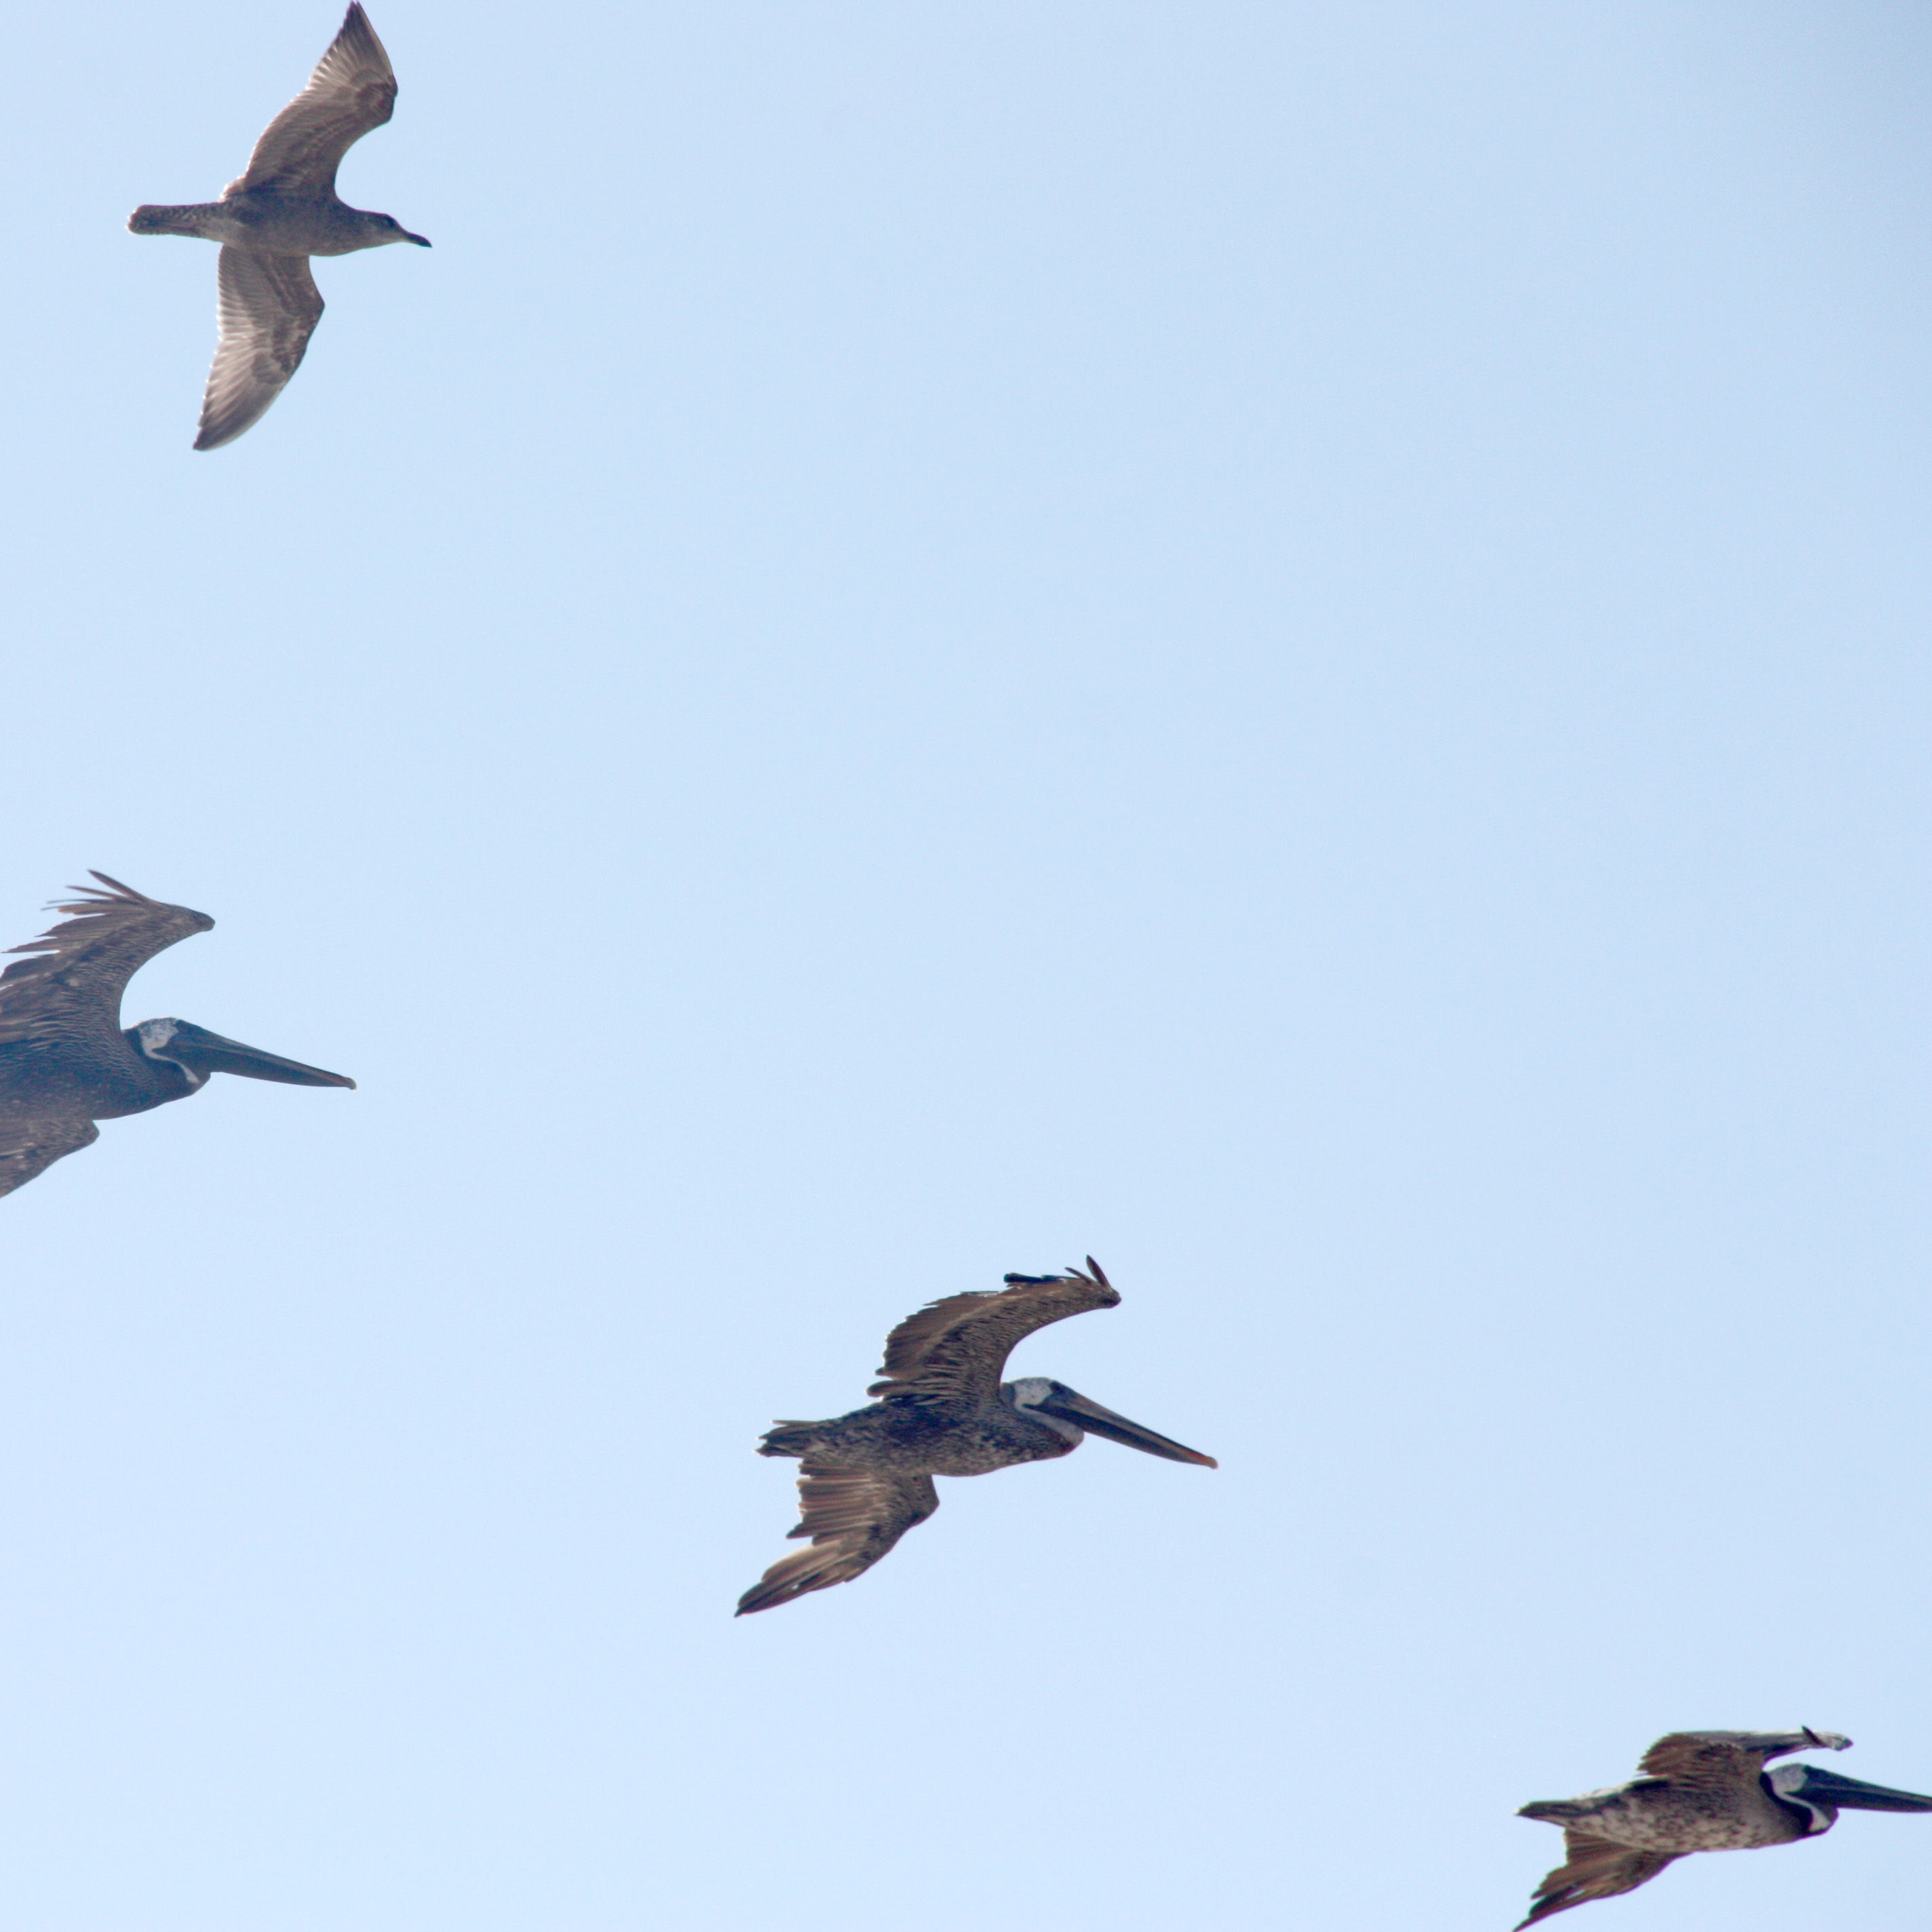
point(1852, 1794)
point(209, 1053)
point(1088, 1414)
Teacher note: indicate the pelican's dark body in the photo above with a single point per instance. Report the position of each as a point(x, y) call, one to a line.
point(65, 1060)
point(944, 1439)
point(1703, 1791)
point(100, 1079)
point(868, 1476)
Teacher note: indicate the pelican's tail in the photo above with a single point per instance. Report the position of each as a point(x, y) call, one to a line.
point(1558, 1810)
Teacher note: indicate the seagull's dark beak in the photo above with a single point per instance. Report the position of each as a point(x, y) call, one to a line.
point(420, 240)
point(208, 1052)
point(1852, 1794)
point(1072, 1406)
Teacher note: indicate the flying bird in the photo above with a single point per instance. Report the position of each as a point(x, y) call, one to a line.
point(867, 1478)
point(66, 1060)
point(1701, 1791)
point(282, 209)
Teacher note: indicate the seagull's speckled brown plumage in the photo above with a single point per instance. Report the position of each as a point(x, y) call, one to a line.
point(281, 210)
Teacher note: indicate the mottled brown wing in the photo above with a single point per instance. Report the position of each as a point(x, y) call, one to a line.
point(853, 1517)
point(81, 966)
point(352, 89)
point(267, 307)
point(1726, 1758)
point(30, 1147)
point(1595, 1868)
point(956, 1350)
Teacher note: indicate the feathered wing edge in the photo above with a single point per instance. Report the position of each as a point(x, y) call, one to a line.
point(28, 1148)
point(92, 905)
point(853, 1517)
point(89, 956)
point(1726, 1758)
point(955, 1348)
point(266, 309)
point(351, 92)
point(1594, 1868)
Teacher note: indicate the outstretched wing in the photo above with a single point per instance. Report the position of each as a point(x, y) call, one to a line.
point(352, 89)
point(853, 1517)
point(30, 1147)
point(1728, 1759)
point(267, 307)
point(74, 981)
point(955, 1350)
point(1595, 1868)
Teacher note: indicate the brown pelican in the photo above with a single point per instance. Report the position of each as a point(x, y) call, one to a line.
point(867, 1477)
point(281, 210)
point(65, 1060)
point(1702, 1791)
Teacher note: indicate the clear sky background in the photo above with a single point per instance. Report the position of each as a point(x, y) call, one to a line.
point(1286, 643)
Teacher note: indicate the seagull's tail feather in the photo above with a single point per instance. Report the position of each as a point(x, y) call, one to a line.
point(153, 218)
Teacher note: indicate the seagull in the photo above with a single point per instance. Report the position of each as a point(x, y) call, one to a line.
point(283, 209)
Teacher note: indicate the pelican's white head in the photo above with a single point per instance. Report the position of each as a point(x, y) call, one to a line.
point(1822, 1794)
point(194, 1053)
point(1028, 1394)
point(1789, 1781)
point(1073, 1417)
point(155, 1037)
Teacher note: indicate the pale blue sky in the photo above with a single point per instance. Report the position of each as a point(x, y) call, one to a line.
point(1283, 642)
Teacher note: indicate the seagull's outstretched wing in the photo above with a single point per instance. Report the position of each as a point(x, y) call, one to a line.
point(352, 89)
point(853, 1517)
point(268, 306)
point(1595, 1868)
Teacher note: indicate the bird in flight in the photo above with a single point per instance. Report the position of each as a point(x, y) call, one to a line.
point(1701, 1791)
point(282, 209)
point(867, 1477)
point(66, 1061)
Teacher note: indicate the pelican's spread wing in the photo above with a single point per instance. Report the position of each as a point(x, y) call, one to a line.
point(80, 967)
point(29, 1148)
point(1728, 1758)
point(268, 307)
point(853, 1517)
point(955, 1350)
point(352, 89)
point(1595, 1868)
